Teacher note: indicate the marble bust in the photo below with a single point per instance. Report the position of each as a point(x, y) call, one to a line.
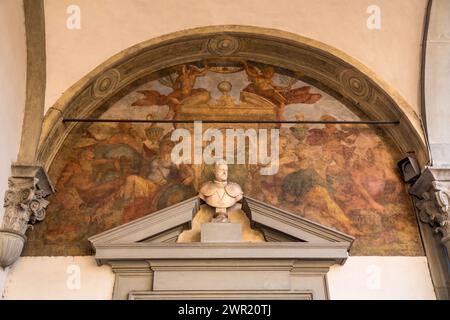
point(221, 194)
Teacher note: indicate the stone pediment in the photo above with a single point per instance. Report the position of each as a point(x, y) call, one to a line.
point(292, 263)
point(154, 236)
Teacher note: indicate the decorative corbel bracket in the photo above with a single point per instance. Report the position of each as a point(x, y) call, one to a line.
point(432, 190)
point(24, 205)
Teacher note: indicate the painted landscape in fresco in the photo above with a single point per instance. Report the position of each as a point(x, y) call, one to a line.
point(342, 176)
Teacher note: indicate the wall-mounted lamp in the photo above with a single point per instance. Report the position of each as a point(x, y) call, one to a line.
point(409, 169)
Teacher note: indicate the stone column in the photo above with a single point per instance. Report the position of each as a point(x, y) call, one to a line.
point(432, 190)
point(24, 205)
point(433, 187)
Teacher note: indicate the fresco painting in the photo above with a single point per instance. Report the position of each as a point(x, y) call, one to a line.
point(341, 176)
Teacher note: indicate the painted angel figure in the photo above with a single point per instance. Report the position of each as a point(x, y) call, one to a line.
point(262, 84)
point(183, 87)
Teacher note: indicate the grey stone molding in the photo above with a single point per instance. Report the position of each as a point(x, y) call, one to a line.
point(149, 265)
point(434, 209)
point(224, 294)
point(24, 205)
point(280, 250)
point(432, 200)
point(148, 226)
point(268, 216)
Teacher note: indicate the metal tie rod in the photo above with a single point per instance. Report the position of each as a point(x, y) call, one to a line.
point(375, 122)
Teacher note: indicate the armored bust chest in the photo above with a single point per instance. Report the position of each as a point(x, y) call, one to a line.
point(221, 194)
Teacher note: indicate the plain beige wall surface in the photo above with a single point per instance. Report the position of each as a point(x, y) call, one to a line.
point(71, 278)
point(13, 75)
point(362, 278)
point(358, 278)
point(110, 26)
point(3, 274)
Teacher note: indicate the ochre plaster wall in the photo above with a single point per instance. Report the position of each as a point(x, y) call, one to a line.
point(13, 68)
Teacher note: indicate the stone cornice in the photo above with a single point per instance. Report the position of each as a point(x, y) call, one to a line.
point(336, 252)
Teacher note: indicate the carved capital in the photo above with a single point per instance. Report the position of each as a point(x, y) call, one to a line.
point(433, 193)
point(443, 218)
point(434, 209)
point(24, 205)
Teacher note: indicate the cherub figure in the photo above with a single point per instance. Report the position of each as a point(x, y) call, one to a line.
point(262, 84)
point(183, 87)
point(184, 83)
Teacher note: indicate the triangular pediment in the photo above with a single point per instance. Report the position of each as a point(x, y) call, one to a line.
point(277, 223)
point(165, 225)
point(152, 225)
point(287, 236)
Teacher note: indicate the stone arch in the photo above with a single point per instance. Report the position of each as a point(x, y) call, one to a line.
point(322, 65)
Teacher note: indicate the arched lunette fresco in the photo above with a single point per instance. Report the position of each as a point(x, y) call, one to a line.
point(324, 66)
point(386, 214)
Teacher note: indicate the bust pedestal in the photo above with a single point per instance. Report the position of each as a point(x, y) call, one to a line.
point(221, 232)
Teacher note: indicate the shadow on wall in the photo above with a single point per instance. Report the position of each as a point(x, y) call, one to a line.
point(3, 276)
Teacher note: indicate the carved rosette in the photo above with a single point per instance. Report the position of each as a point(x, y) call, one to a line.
point(355, 85)
point(106, 83)
point(24, 205)
point(224, 45)
point(434, 209)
